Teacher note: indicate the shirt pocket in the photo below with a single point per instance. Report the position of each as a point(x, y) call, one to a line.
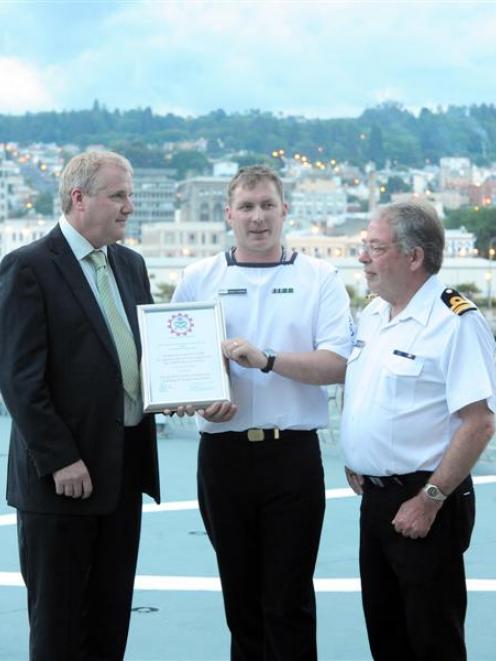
point(398, 383)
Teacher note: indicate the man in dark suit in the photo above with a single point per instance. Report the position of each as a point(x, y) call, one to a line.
point(81, 452)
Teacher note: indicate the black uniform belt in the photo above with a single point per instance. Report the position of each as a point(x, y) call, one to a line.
point(408, 479)
point(256, 435)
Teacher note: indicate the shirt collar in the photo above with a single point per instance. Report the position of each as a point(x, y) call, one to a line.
point(79, 245)
point(419, 306)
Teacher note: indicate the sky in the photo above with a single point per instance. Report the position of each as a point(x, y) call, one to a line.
point(189, 57)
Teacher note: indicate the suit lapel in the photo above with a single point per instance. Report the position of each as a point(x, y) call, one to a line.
point(71, 271)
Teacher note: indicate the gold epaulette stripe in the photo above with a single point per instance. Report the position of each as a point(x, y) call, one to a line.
point(456, 302)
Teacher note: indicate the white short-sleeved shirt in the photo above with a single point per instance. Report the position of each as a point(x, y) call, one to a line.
point(407, 378)
point(297, 305)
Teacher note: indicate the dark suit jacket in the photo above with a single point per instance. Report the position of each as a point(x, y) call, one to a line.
point(60, 376)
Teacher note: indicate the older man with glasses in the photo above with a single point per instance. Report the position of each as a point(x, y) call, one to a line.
point(418, 411)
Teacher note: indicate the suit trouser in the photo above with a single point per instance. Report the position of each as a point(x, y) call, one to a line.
point(413, 590)
point(79, 572)
point(263, 506)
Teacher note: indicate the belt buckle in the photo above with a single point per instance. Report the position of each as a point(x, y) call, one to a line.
point(255, 435)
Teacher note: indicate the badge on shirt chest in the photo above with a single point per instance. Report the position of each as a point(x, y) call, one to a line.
point(283, 290)
point(232, 292)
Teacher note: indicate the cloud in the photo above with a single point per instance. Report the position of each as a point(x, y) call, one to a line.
point(315, 57)
point(23, 87)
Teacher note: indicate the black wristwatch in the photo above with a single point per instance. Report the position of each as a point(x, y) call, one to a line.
point(271, 356)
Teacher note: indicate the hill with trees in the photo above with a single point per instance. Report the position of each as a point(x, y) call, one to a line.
point(385, 133)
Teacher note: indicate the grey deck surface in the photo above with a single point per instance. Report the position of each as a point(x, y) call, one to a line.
point(174, 621)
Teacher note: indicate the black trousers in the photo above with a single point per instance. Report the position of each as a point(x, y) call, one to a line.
point(413, 590)
point(79, 572)
point(263, 507)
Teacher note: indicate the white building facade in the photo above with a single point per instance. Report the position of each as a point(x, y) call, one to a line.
point(17, 232)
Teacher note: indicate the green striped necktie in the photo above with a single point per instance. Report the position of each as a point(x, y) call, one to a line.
point(123, 338)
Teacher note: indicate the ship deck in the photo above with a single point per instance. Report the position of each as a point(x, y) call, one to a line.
point(177, 609)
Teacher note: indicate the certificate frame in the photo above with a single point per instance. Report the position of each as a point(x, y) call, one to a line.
point(182, 361)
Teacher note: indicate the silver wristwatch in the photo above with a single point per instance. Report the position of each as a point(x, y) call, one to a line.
point(434, 493)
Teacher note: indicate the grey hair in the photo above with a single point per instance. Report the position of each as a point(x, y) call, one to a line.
point(416, 224)
point(82, 172)
point(249, 177)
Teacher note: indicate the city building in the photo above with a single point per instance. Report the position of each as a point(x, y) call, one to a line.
point(484, 194)
point(200, 145)
point(454, 173)
point(154, 201)
point(4, 209)
point(317, 244)
point(17, 232)
point(434, 199)
point(194, 239)
point(225, 169)
point(202, 199)
point(317, 200)
point(459, 243)
point(19, 195)
point(48, 158)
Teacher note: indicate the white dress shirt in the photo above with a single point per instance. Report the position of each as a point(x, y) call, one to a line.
point(298, 306)
point(81, 247)
point(407, 378)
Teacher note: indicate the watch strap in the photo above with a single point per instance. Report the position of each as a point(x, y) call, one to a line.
point(270, 363)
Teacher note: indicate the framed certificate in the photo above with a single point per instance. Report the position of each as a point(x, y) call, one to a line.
point(182, 361)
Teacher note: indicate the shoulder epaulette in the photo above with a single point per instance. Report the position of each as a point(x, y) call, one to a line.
point(456, 302)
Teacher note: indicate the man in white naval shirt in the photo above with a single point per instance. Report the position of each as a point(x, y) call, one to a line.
point(418, 411)
point(260, 477)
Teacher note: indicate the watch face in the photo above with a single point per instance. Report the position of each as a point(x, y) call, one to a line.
point(434, 492)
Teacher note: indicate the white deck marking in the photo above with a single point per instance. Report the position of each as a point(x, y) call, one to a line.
point(186, 505)
point(212, 583)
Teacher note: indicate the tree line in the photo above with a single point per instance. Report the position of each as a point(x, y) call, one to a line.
point(386, 133)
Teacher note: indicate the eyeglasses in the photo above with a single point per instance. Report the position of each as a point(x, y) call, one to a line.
point(375, 249)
